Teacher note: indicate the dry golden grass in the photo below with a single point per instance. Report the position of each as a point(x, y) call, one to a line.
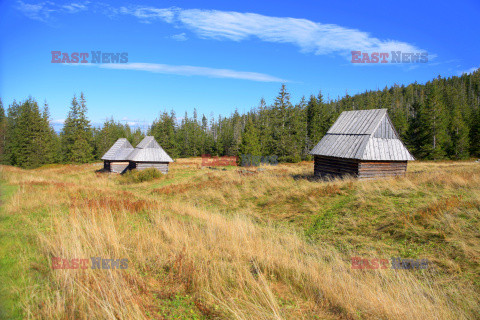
point(207, 244)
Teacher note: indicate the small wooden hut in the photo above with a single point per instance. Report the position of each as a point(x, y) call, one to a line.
point(115, 159)
point(363, 144)
point(149, 154)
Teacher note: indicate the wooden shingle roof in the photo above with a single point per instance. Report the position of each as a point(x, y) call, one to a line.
point(148, 150)
point(119, 151)
point(364, 135)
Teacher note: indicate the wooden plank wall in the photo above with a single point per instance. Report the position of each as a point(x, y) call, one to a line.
point(162, 166)
point(337, 167)
point(118, 167)
point(374, 169)
point(330, 166)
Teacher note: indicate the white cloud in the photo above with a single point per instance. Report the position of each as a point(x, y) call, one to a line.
point(180, 37)
point(309, 36)
point(471, 70)
point(147, 14)
point(57, 121)
point(44, 11)
point(75, 7)
point(193, 71)
point(40, 11)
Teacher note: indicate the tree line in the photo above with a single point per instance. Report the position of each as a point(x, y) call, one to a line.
point(436, 120)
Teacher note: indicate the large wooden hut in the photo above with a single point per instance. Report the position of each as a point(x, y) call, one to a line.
point(149, 154)
point(363, 144)
point(115, 159)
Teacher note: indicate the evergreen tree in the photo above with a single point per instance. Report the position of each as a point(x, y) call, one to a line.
point(280, 111)
point(434, 119)
point(11, 135)
point(319, 119)
point(77, 134)
point(475, 134)
point(3, 126)
point(458, 129)
point(265, 129)
point(28, 138)
point(135, 136)
point(49, 138)
point(163, 129)
point(313, 122)
point(398, 111)
point(106, 136)
point(459, 135)
point(250, 140)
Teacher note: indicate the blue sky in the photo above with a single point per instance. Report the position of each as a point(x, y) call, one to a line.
point(216, 56)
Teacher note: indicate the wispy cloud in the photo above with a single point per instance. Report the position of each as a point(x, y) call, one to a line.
point(473, 69)
point(309, 36)
point(180, 37)
point(57, 122)
point(41, 11)
point(75, 7)
point(44, 11)
point(192, 71)
point(149, 14)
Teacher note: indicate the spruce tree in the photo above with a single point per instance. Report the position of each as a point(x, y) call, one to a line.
point(29, 139)
point(106, 136)
point(163, 129)
point(77, 134)
point(459, 135)
point(434, 119)
point(11, 135)
point(49, 138)
point(250, 140)
point(3, 125)
point(319, 119)
point(280, 133)
point(475, 134)
point(313, 122)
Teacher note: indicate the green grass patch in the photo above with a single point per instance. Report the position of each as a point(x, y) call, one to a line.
point(22, 266)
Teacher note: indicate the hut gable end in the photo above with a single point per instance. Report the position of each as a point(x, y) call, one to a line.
point(363, 135)
point(119, 151)
point(385, 129)
point(361, 143)
point(148, 150)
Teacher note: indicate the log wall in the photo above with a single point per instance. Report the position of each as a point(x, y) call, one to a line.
point(161, 166)
point(339, 167)
point(375, 169)
point(335, 167)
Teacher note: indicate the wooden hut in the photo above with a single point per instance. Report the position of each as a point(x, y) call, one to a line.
point(149, 154)
point(115, 159)
point(363, 144)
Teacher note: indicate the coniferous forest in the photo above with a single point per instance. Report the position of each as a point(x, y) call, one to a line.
point(436, 120)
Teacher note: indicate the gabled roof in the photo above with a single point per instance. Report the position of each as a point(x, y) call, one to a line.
point(363, 135)
point(119, 151)
point(148, 150)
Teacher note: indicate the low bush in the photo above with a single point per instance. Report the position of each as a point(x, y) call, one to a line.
point(137, 176)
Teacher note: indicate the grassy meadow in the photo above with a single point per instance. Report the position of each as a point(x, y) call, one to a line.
point(235, 244)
